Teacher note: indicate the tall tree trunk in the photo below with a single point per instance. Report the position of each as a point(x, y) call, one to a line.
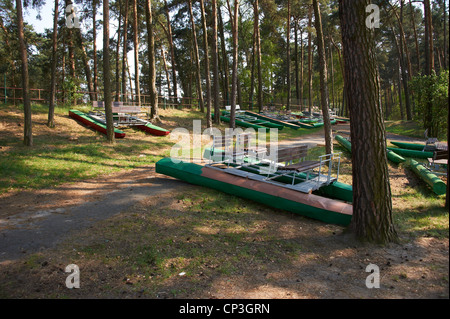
point(234, 32)
point(416, 38)
point(226, 81)
point(215, 58)
point(51, 108)
point(310, 61)
point(372, 203)
point(253, 61)
point(107, 75)
point(343, 110)
point(258, 58)
point(137, 86)
point(166, 70)
point(445, 38)
point(447, 197)
point(154, 112)
point(124, 53)
point(429, 64)
point(196, 59)
point(332, 76)
point(301, 69)
point(117, 98)
point(94, 45)
point(404, 61)
point(297, 81)
point(207, 72)
point(63, 71)
point(172, 54)
point(399, 90)
point(429, 50)
point(323, 79)
point(288, 57)
point(27, 134)
point(87, 69)
point(70, 44)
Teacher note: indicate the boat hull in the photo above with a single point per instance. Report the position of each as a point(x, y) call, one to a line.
point(391, 155)
point(153, 129)
point(92, 123)
point(309, 205)
point(411, 153)
point(409, 146)
point(269, 119)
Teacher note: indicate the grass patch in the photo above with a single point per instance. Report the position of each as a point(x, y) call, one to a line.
point(405, 128)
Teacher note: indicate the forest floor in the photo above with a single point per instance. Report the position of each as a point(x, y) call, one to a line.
point(138, 234)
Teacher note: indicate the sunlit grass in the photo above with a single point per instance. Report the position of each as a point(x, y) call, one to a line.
point(406, 128)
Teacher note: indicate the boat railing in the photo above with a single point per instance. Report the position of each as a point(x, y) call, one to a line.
point(327, 160)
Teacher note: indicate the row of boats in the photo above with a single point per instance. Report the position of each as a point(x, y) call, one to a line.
point(412, 154)
point(278, 120)
point(97, 122)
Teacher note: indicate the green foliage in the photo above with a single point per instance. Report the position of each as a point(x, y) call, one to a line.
point(431, 95)
point(72, 88)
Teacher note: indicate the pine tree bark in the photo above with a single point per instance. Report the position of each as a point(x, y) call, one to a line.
point(27, 134)
point(323, 79)
point(288, 57)
point(87, 68)
point(196, 60)
point(297, 80)
point(429, 64)
point(207, 71)
point(117, 73)
point(234, 77)
point(154, 111)
point(137, 86)
point(258, 58)
point(51, 108)
point(310, 62)
point(124, 53)
point(416, 38)
point(372, 204)
point(107, 75)
point(94, 46)
point(253, 62)
point(215, 58)
point(172, 54)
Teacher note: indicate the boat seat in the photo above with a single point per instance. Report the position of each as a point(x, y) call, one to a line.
point(292, 154)
point(300, 167)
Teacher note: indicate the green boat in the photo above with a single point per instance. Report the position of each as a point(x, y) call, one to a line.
point(434, 182)
point(93, 123)
point(409, 146)
point(329, 204)
point(243, 123)
point(391, 155)
point(411, 153)
point(254, 120)
point(295, 126)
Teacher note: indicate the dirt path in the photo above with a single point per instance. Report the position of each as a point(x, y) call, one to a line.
point(31, 221)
